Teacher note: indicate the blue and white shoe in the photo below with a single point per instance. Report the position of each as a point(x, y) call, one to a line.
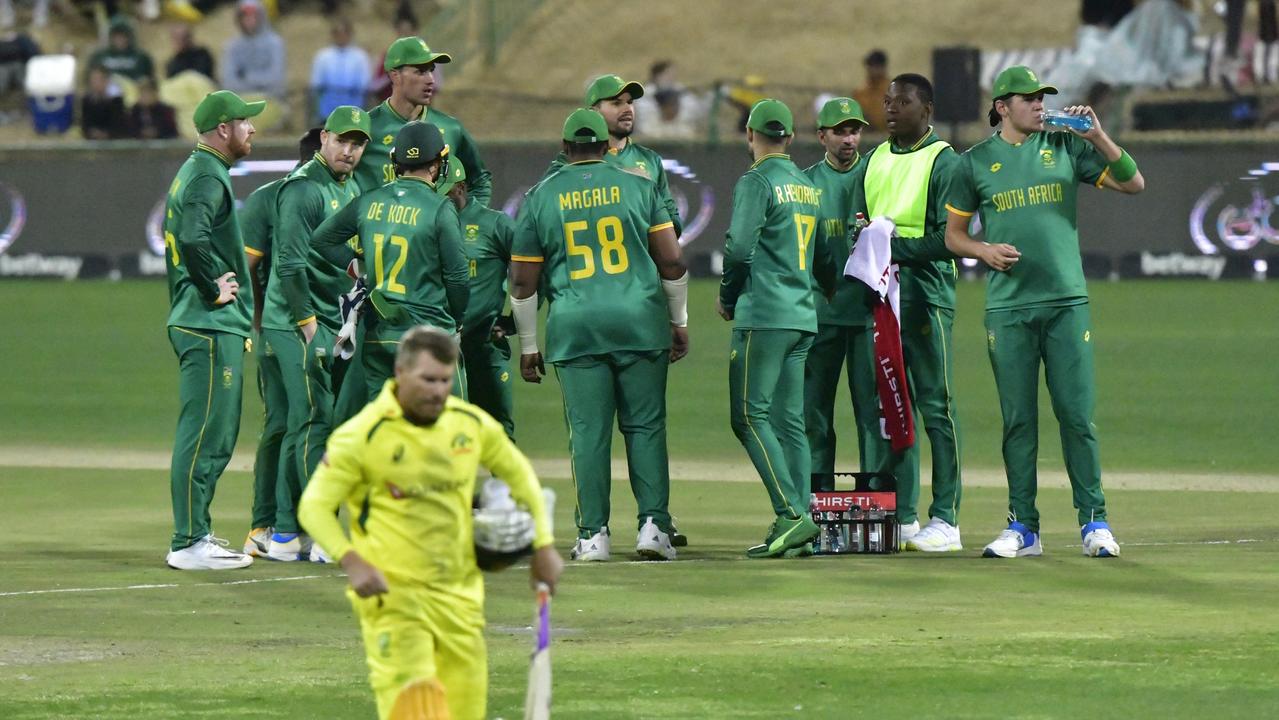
point(1016, 541)
point(285, 547)
point(1098, 541)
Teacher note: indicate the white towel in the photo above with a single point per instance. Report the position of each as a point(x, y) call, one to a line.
point(872, 262)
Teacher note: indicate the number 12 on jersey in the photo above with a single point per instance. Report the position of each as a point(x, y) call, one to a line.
point(379, 267)
point(608, 230)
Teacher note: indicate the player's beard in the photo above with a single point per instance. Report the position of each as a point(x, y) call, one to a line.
point(239, 147)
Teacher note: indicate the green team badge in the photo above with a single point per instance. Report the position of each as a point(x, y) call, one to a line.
point(990, 339)
point(228, 377)
point(472, 233)
point(1047, 156)
point(461, 444)
point(355, 116)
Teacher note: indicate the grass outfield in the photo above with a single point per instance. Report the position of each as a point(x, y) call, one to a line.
point(1185, 375)
point(93, 625)
point(1176, 628)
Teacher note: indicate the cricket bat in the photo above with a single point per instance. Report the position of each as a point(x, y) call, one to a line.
point(537, 702)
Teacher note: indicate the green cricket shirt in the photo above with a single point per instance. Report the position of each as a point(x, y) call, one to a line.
point(376, 169)
point(487, 235)
point(772, 247)
point(642, 161)
point(257, 223)
point(203, 242)
point(1026, 196)
point(849, 308)
point(303, 285)
point(411, 243)
point(589, 224)
point(927, 268)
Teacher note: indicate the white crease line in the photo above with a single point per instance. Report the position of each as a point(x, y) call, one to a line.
point(1241, 541)
point(162, 586)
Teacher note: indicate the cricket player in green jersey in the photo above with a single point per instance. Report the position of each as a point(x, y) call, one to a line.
point(1023, 182)
point(614, 98)
point(411, 243)
point(775, 247)
point(602, 242)
point(257, 223)
point(906, 179)
point(301, 319)
point(410, 65)
point(209, 325)
point(487, 235)
point(844, 329)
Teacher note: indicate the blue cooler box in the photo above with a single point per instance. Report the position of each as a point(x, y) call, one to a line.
point(50, 86)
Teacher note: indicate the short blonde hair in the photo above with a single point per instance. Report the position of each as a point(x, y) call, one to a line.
point(424, 338)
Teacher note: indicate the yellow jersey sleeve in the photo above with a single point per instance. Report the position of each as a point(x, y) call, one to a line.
point(504, 460)
point(335, 479)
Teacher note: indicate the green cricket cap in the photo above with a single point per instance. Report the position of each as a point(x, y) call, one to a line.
point(417, 144)
point(610, 86)
point(772, 118)
point(223, 106)
point(456, 174)
point(411, 51)
point(838, 111)
point(585, 126)
point(1020, 80)
point(349, 118)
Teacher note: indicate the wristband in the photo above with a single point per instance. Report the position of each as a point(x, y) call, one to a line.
point(525, 313)
point(677, 299)
point(1124, 168)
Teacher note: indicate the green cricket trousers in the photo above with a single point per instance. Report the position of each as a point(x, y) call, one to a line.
point(210, 384)
point(488, 377)
point(275, 405)
point(835, 348)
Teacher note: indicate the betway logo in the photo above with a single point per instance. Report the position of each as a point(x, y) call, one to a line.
point(1178, 264)
point(35, 265)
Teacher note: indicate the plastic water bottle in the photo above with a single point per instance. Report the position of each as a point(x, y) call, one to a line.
point(1058, 119)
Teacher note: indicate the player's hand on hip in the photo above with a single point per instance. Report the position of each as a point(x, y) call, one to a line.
point(308, 329)
point(545, 567)
point(1000, 256)
point(365, 579)
point(531, 367)
point(679, 343)
point(726, 313)
point(228, 289)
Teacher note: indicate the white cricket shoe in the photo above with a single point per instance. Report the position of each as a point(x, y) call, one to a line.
point(318, 555)
point(207, 553)
point(1015, 541)
point(937, 536)
point(285, 547)
point(652, 543)
point(258, 542)
point(594, 549)
point(1098, 541)
point(905, 533)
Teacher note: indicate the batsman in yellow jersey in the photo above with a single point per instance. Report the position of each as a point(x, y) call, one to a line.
point(406, 467)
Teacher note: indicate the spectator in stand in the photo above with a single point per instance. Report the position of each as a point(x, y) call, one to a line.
point(1235, 68)
point(405, 26)
point(254, 62)
point(671, 120)
point(339, 73)
point(102, 109)
point(151, 119)
point(39, 14)
point(871, 94)
point(16, 48)
point(187, 55)
point(122, 56)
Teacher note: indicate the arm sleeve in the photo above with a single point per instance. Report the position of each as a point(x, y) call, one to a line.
point(504, 235)
point(203, 202)
point(504, 460)
point(526, 246)
point(453, 261)
point(300, 209)
point(254, 225)
point(825, 270)
point(1090, 166)
point(479, 181)
point(962, 198)
point(339, 474)
point(664, 192)
point(330, 238)
point(932, 246)
point(750, 202)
